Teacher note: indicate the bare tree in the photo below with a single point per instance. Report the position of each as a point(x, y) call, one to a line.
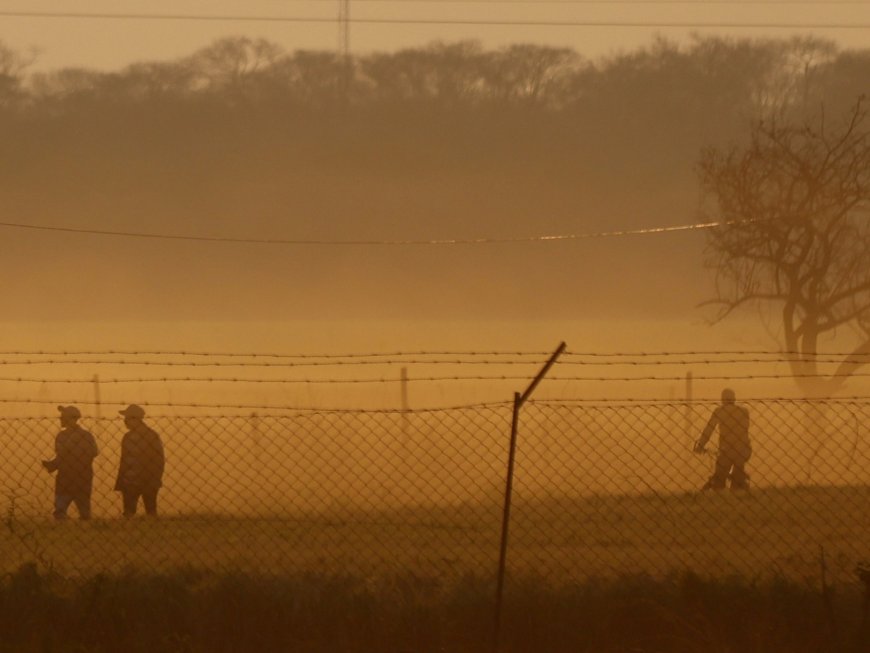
point(795, 203)
point(230, 64)
point(12, 67)
point(443, 75)
point(531, 75)
point(309, 79)
point(790, 83)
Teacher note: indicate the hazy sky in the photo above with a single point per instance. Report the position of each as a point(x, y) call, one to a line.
point(110, 43)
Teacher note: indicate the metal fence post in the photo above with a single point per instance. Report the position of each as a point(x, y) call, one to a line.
point(405, 406)
point(97, 401)
point(690, 431)
point(519, 400)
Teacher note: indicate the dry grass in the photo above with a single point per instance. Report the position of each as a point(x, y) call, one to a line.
point(760, 535)
point(664, 573)
point(197, 611)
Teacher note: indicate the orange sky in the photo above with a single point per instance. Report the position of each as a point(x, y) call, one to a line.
point(114, 43)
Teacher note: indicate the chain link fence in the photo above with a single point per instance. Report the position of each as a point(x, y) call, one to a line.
point(600, 489)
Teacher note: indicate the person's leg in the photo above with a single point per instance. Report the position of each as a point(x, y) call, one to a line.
point(131, 498)
point(717, 481)
point(739, 477)
point(83, 503)
point(149, 498)
point(61, 504)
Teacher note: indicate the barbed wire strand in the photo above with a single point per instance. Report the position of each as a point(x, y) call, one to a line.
point(863, 400)
point(722, 352)
point(722, 377)
point(681, 403)
point(225, 354)
point(458, 355)
point(308, 364)
point(298, 409)
point(278, 381)
point(857, 360)
point(418, 379)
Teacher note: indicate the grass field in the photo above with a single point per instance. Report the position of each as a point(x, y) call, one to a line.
point(760, 534)
point(191, 611)
point(666, 573)
point(333, 533)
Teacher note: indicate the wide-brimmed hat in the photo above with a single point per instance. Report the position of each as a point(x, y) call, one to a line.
point(133, 410)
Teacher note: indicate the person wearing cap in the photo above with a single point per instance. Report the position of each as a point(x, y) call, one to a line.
point(140, 472)
point(735, 448)
point(75, 450)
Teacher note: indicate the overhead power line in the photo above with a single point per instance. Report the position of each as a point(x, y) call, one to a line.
point(436, 241)
point(653, 3)
point(438, 21)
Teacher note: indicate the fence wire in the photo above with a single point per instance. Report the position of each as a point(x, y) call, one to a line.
point(600, 490)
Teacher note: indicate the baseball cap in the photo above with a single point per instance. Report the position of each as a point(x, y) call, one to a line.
point(69, 411)
point(133, 410)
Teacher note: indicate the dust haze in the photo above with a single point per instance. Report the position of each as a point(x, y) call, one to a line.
point(447, 141)
point(342, 404)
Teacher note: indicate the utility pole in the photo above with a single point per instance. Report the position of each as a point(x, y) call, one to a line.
point(344, 48)
point(689, 425)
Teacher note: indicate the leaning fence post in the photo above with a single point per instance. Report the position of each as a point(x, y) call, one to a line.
point(519, 400)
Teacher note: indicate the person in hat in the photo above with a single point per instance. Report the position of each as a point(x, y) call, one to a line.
point(140, 472)
point(735, 448)
point(75, 450)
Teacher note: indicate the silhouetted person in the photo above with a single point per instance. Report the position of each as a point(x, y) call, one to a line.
point(74, 453)
point(140, 472)
point(734, 446)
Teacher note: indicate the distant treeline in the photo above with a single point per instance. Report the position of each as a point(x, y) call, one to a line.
point(677, 92)
point(449, 140)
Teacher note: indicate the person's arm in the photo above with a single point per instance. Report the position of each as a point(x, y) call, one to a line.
point(54, 463)
point(122, 463)
point(92, 446)
point(153, 462)
point(707, 432)
point(162, 457)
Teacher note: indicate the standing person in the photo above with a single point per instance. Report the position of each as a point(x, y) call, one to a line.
point(735, 448)
point(74, 453)
point(140, 472)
